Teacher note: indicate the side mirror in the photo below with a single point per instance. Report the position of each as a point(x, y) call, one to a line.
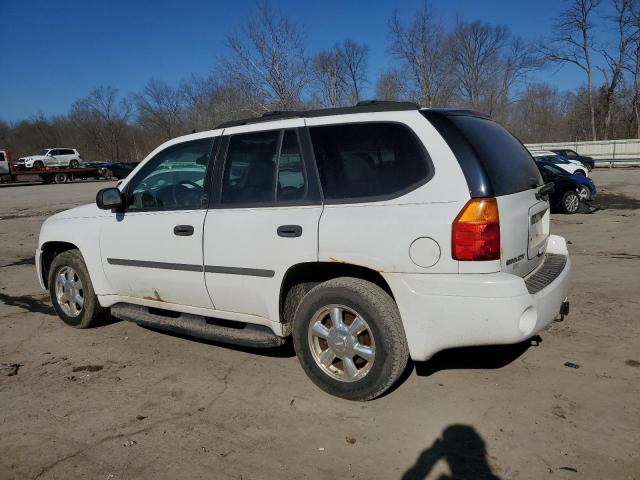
point(49, 155)
point(109, 199)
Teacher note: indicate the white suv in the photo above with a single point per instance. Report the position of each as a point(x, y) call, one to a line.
point(571, 166)
point(370, 234)
point(52, 157)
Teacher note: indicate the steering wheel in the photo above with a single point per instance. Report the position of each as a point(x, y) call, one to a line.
point(183, 185)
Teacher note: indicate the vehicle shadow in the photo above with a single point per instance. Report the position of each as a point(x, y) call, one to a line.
point(463, 450)
point(29, 303)
point(485, 357)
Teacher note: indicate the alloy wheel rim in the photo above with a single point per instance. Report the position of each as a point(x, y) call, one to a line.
point(341, 343)
point(572, 202)
point(69, 291)
point(584, 193)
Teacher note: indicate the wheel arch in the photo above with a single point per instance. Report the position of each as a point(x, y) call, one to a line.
point(49, 251)
point(301, 277)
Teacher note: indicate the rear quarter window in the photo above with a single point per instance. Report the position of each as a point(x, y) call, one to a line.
point(508, 166)
point(368, 161)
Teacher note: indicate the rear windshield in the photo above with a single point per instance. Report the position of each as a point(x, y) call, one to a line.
point(507, 164)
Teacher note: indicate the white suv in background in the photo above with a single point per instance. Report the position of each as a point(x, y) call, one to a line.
point(370, 234)
point(572, 166)
point(52, 157)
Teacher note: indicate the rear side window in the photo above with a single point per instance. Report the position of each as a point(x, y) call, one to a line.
point(250, 168)
point(1, 156)
point(507, 164)
point(368, 161)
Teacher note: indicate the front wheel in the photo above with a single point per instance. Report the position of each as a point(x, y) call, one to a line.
point(584, 193)
point(74, 163)
point(71, 290)
point(38, 165)
point(579, 172)
point(570, 202)
point(349, 338)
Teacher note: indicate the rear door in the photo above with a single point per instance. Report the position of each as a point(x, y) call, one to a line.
point(496, 164)
point(66, 157)
point(264, 218)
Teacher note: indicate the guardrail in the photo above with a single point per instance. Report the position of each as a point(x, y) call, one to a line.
point(605, 153)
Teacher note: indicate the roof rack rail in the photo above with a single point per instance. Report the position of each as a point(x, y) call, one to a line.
point(365, 106)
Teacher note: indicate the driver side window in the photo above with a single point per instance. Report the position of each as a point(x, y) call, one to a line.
point(172, 180)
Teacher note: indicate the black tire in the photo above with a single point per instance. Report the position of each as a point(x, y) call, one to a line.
point(570, 202)
point(381, 314)
point(91, 309)
point(74, 163)
point(38, 165)
point(579, 172)
point(60, 178)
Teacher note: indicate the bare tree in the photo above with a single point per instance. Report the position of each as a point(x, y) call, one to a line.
point(160, 109)
point(420, 45)
point(268, 61)
point(353, 57)
point(488, 64)
point(633, 64)
point(573, 44)
point(390, 86)
point(103, 117)
point(330, 77)
point(615, 63)
point(538, 115)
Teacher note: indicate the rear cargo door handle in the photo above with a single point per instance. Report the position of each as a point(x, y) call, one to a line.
point(289, 230)
point(183, 230)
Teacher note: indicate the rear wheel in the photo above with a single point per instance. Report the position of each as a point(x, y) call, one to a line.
point(60, 178)
point(570, 202)
point(71, 290)
point(349, 338)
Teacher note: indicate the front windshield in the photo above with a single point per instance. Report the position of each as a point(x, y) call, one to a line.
point(42, 152)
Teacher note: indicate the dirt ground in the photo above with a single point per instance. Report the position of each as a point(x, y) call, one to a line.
point(123, 402)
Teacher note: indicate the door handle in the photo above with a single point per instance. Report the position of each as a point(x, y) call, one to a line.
point(289, 230)
point(183, 230)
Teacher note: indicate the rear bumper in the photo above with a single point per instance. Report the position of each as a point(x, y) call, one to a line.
point(441, 311)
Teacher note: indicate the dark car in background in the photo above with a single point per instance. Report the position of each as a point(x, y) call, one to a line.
point(120, 170)
point(573, 155)
point(569, 190)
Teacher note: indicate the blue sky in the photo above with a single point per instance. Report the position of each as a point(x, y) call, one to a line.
point(55, 51)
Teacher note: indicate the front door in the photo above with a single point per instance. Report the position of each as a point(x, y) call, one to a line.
point(153, 250)
point(264, 220)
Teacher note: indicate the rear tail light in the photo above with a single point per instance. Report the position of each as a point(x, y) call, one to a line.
point(476, 231)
